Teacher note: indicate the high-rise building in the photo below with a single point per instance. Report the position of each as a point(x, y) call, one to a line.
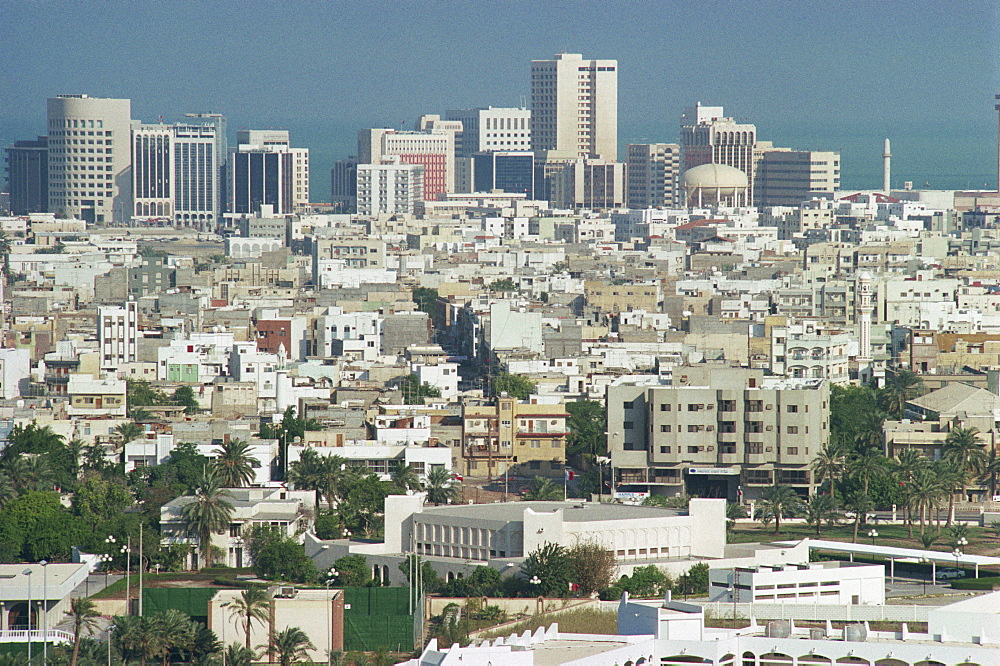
point(264, 170)
point(390, 188)
point(90, 158)
point(708, 137)
point(433, 149)
point(175, 173)
point(506, 171)
point(28, 176)
point(344, 182)
point(218, 122)
point(491, 129)
point(788, 177)
point(574, 106)
point(592, 184)
point(278, 141)
point(653, 175)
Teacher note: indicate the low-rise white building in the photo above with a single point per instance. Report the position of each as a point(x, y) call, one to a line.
point(815, 582)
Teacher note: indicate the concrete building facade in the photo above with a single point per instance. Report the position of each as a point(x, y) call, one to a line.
point(653, 177)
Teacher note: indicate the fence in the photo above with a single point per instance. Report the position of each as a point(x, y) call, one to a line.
point(35, 636)
point(909, 613)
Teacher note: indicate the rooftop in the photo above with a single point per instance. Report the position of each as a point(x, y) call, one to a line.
point(573, 511)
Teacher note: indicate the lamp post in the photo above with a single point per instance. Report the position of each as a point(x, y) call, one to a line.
point(127, 552)
point(27, 572)
point(873, 533)
point(958, 554)
point(923, 579)
point(45, 621)
point(330, 576)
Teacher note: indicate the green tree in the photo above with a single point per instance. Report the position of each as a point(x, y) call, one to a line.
point(291, 646)
point(405, 477)
point(546, 570)
point(426, 299)
point(853, 409)
point(128, 431)
point(239, 655)
point(8, 490)
point(208, 513)
point(924, 493)
point(515, 386)
point(991, 472)
point(36, 526)
point(694, 581)
point(830, 464)
point(97, 500)
point(907, 464)
point(83, 615)
point(278, 557)
point(820, 509)
point(646, 582)
point(431, 582)
point(858, 502)
point(587, 423)
point(963, 448)
point(363, 501)
point(253, 605)
point(543, 489)
point(501, 285)
point(440, 487)
point(233, 464)
point(352, 571)
point(593, 567)
point(778, 502)
point(139, 393)
point(285, 432)
point(414, 392)
point(183, 396)
point(901, 386)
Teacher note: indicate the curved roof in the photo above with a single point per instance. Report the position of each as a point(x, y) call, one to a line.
point(712, 176)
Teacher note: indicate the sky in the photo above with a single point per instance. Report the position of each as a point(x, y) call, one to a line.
point(811, 74)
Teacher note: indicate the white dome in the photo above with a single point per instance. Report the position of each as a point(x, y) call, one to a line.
point(716, 176)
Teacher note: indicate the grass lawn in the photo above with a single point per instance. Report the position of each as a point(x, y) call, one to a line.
point(982, 541)
point(583, 621)
point(117, 589)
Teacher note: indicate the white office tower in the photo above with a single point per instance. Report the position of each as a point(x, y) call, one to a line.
point(653, 175)
point(491, 130)
point(89, 158)
point(390, 188)
point(574, 106)
point(117, 332)
point(175, 174)
point(708, 137)
point(278, 141)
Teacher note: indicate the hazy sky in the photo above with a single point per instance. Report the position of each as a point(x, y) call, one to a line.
point(831, 74)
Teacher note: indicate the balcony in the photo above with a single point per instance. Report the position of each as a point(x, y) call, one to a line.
point(35, 636)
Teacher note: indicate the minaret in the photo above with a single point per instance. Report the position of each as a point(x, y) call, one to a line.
point(865, 309)
point(886, 166)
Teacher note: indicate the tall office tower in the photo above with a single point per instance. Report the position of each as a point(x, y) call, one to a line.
point(591, 184)
point(653, 175)
point(788, 177)
point(708, 137)
point(90, 158)
point(117, 332)
point(152, 171)
point(344, 182)
point(278, 141)
point(28, 176)
point(434, 149)
point(507, 171)
point(491, 129)
point(574, 106)
point(218, 122)
point(197, 188)
point(390, 188)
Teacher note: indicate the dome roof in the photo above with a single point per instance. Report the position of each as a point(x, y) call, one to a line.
point(712, 176)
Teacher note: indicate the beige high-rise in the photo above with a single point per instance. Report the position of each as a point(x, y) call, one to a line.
point(90, 158)
point(574, 106)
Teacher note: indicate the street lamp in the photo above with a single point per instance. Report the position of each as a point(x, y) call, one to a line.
point(45, 621)
point(958, 554)
point(331, 575)
point(127, 552)
point(923, 579)
point(873, 533)
point(27, 572)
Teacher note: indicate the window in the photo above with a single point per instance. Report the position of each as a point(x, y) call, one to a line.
point(695, 408)
point(692, 449)
point(755, 448)
point(628, 425)
point(664, 428)
point(793, 430)
point(758, 476)
point(627, 404)
point(665, 407)
point(792, 450)
point(664, 449)
point(793, 476)
point(536, 444)
point(792, 409)
point(534, 464)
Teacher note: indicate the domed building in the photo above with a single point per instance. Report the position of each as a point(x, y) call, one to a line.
point(716, 185)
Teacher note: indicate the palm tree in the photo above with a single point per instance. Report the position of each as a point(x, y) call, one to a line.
point(252, 604)
point(440, 486)
point(900, 387)
point(778, 502)
point(866, 464)
point(908, 462)
point(858, 502)
point(238, 655)
point(128, 431)
point(30, 472)
point(405, 477)
point(209, 512)
point(174, 630)
point(138, 637)
point(323, 474)
point(84, 616)
point(291, 644)
point(543, 489)
point(233, 464)
point(820, 509)
point(991, 472)
point(8, 490)
point(924, 492)
point(963, 448)
point(829, 464)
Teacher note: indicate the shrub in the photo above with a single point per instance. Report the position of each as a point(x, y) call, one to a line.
point(984, 583)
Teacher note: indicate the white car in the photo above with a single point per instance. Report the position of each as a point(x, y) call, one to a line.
point(948, 573)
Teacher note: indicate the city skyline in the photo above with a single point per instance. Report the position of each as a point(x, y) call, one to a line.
point(841, 78)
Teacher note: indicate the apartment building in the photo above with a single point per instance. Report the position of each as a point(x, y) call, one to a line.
point(515, 437)
point(716, 431)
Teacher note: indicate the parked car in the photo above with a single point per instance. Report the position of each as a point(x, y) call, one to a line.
point(948, 573)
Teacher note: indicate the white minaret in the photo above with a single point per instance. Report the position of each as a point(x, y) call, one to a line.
point(865, 309)
point(886, 166)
